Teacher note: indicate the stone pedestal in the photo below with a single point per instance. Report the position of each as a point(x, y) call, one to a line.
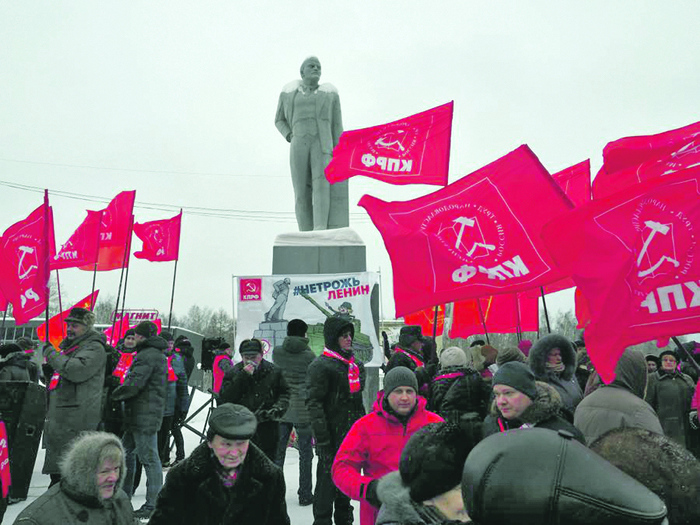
point(316, 252)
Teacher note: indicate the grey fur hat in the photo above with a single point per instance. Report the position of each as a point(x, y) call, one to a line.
point(453, 356)
point(82, 316)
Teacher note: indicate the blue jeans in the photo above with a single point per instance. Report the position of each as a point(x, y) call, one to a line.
point(306, 456)
point(145, 446)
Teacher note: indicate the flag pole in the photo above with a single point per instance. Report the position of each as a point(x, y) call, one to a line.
point(47, 253)
point(685, 351)
point(435, 321)
point(4, 316)
point(126, 279)
point(172, 296)
point(60, 307)
point(121, 279)
point(483, 321)
point(97, 257)
point(546, 314)
point(518, 327)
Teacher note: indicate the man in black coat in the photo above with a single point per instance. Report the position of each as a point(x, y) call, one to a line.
point(334, 384)
point(225, 480)
point(143, 393)
point(259, 386)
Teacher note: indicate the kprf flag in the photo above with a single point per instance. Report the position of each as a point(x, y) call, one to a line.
point(504, 314)
point(115, 233)
point(479, 236)
point(631, 160)
point(576, 182)
point(25, 249)
point(81, 248)
point(426, 320)
point(635, 258)
point(161, 239)
point(413, 150)
point(57, 329)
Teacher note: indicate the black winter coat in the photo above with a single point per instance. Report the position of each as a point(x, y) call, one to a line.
point(294, 358)
point(265, 392)
point(457, 390)
point(16, 367)
point(671, 396)
point(143, 390)
point(194, 493)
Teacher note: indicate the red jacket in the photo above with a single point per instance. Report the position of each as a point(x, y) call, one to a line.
point(372, 449)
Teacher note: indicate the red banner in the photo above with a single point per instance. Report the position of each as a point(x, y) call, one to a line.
point(503, 314)
point(5, 476)
point(635, 259)
point(413, 150)
point(81, 248)
point(426, 320)
point(576, 182)
point(3, 302)
point(23, 264)
point(477, 237)
point(161, 239)
point(120, 328)
point(115, 233)
point(632, 160)
point(56, 323)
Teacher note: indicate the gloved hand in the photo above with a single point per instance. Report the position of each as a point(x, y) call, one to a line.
point(371, 494)
point(693, 416)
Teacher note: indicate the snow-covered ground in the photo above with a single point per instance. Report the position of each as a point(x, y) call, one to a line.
point(298, 515)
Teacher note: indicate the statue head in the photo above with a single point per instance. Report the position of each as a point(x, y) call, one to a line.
point(310, 70)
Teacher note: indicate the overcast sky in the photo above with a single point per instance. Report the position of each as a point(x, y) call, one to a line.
point(177, 101)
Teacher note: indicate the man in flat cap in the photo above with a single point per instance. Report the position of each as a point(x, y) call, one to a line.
point(227, 479)
point(75, 375)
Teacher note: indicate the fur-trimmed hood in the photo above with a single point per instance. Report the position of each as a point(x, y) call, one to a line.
point(332, 328)
point(397, 506)
point(547, 404)
point(539, 351)
point(80, 463)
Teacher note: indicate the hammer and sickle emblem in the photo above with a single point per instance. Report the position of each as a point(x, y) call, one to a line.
point(24, 250)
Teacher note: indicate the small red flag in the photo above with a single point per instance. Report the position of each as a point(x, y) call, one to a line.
point(635, 258)
point(503, 314)
point(56, 326)
point(413, 150)
point(161, 239)
point(121, 327)
point(425, 319)
point(81, 248)
point(23, 264)
point(5, 475)
point(115, 233)
point(632, 160)
point(479, 236)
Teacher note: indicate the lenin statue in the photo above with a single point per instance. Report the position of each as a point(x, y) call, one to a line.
point(308, 116)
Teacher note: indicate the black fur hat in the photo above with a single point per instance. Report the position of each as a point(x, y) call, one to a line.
point(297, 327)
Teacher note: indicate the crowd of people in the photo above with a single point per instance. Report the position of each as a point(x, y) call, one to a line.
point(523, 435)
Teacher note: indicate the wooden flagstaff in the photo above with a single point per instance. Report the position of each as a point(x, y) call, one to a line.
point(435, 321)
point(546, 314)
point(483, 320)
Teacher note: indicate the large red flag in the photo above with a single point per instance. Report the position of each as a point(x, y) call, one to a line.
point(161, 239)
point(503, 314)
point(631, 160)
point(635, 259)
point(3, 302)
point(478, 236)
point(121, 327)
point(413, 150)
point(23, 264)
point(81, 248)
point(56, 326)
point(115, 233)
point(425, 319)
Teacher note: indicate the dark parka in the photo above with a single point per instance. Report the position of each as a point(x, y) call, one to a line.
point(565, 382)
point(456, 391)
point(619, 404)
point(76, 498)
point(332, 407)
point(143, 391)
point(76, 402)
point(15, 367)
point(193, 492)
point(671, 394)
point(176, 397)
point(544, 412)
point(294, 357)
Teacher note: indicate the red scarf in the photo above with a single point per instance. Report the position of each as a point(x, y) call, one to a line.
point(56, 377)
point(416, 360)
point(353, 369)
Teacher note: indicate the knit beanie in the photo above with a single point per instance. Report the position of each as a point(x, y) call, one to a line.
point(399, 376)
point(297, 327)
point(508, 354)
point(518, 376)
point(146, 329)
point(431, 462)
point(129, 332)
point(453, 356)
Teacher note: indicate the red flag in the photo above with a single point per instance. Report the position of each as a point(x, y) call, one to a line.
point(503, 314)
point(583, 313)
point(425, 319)
point(478, 236)
point(413, 150)
point(161, 239)
point(23, 264)
point(576, 182)
point(115, 233)
point(121, 327)
point(5, 476)
point(81, 248)
point(56, 326)
point(632, 160)
point(636, 260)
point(3, 302)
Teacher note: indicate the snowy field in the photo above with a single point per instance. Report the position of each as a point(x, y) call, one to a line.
point(298, 515)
